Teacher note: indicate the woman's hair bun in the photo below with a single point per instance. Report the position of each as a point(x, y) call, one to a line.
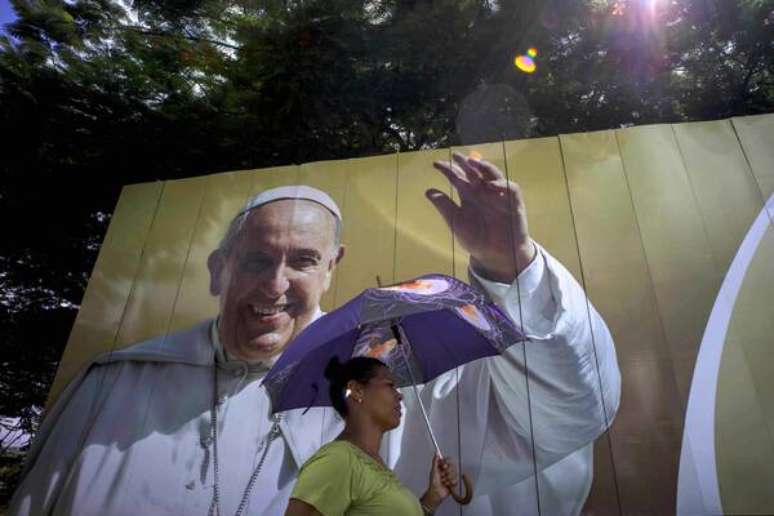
point(333, 369)
point(359, 369)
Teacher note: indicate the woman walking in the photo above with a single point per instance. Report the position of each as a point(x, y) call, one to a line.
point(347, 476)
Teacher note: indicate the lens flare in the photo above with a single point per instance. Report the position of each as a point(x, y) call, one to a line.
point(532, 52)
point(525, 64)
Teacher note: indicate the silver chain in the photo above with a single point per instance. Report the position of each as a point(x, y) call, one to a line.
point(274, 432)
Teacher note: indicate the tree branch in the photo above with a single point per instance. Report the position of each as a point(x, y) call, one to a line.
point(752, 67)
point(188, 36)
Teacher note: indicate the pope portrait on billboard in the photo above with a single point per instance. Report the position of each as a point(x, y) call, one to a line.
point(133, 432)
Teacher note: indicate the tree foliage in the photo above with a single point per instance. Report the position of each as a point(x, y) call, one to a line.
point(95, 94)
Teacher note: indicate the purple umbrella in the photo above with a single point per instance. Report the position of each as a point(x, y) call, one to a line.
point(420, 328)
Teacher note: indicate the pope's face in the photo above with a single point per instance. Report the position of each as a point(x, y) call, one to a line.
point(271, 281)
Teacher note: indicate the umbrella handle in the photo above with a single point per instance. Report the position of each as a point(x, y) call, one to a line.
point(460, 499)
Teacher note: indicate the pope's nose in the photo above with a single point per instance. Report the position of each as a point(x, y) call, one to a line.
point(274, 282)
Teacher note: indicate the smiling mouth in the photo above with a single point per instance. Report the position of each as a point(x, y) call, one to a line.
point(267, 311)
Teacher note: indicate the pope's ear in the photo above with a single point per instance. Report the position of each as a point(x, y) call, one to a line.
point(331, 266)
point(216, 263)
point(339, 255)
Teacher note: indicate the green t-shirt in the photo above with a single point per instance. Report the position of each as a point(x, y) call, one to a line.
point(341, 479)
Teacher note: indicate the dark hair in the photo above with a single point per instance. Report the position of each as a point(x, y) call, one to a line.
point(360, 369)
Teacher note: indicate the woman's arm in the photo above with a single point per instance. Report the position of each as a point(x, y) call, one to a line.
point(298, 508)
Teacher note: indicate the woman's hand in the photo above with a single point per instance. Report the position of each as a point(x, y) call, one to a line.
point(443, 479)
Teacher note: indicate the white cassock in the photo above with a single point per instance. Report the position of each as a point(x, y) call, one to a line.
point(130, 434)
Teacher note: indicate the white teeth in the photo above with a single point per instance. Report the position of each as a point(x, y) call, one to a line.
point(268, 310)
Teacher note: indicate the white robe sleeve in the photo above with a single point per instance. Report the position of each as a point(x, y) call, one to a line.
point(574, 382)
point(58, 442)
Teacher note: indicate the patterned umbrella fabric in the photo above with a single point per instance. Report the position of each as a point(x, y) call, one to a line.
point(444, 323)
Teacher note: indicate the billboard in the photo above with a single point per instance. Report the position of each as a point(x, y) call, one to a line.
point(669, 229)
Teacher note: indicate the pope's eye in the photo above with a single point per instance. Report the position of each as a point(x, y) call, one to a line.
point(305, 261)
point(255, 263)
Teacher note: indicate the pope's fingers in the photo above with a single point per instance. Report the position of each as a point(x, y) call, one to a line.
point(455, 176)
point(466, 166)
point(468, 176)
point(445, 206)
point(488, 171)
point(467, 185)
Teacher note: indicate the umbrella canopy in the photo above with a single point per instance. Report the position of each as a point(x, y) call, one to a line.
point(444, 323)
